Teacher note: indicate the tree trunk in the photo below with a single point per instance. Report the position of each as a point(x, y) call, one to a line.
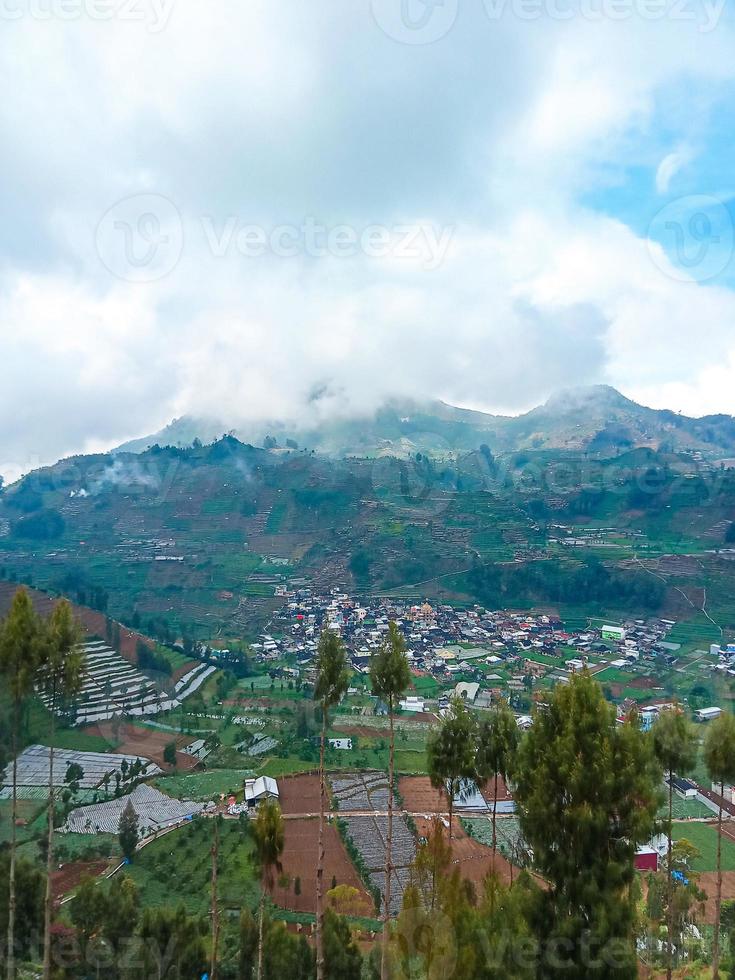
point(495, 810)
point(388, 850)
point(450, 800)
point(495, 841)
point(669, 888)
point(320, 856)
point(215, 902)
point(49, 903)
point(718, 899)
point(11, 875)
point(260, 934)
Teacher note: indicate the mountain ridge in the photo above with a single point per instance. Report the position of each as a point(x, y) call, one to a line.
point(596, 418)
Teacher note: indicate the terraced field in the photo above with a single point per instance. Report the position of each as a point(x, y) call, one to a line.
point(369, 791)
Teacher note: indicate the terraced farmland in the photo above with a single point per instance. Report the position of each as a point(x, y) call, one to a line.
point(33, 766)
point(154, 809)
point(369, 791)
point(113, 687)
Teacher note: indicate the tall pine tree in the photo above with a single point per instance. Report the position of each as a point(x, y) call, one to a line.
point(586, 790)
point(19, 649)
point(719, 755)
point(676, 750)
point(390, 676)
point(332, 679)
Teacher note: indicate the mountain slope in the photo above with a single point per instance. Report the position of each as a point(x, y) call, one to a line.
point(595, 419)
point(201, 539)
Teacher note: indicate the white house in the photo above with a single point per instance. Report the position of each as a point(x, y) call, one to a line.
point(616, 633)
point(343, 744)
point(412, 703)
point(707, 714)
point(262, 788)
point(467, 691)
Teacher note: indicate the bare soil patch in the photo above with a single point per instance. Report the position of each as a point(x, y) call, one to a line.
point(93, 621)
point(299, 860)
point(66, 878)
point(300, 794)
point(473, 859)
point(708, 884)
point(134, 740)
point(419, 796)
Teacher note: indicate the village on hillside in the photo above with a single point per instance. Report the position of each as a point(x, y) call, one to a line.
point(205, 740)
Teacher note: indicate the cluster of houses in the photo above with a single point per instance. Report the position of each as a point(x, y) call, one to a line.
point(444, 641)
point(363, 624)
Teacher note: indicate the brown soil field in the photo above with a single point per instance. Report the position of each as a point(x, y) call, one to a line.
point(419, 796)
point(70, 875)
point(134, 740)
point(708, 883)
point(299, 860)
point(94, 622)
point(300, 794)
point(183, 670)
point(474, 860)
point(643, 683)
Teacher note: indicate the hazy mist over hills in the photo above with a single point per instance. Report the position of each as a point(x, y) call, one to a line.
point(595, 418)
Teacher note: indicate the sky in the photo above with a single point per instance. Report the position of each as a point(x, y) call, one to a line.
point(275, 209)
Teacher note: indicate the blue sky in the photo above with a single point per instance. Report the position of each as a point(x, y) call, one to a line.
point(219, 209)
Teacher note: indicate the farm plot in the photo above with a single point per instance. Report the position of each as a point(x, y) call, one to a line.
point(510, 841)
point(419, 796)
point(471, 857)
point(369, 834)
point(361, 791)
point(365, 791)
point(155, 811)
point(204, 786)
point(145, 743)
point(33, 766)
point(178, 867)
point(708, 884)
point(113, 686)
point(70, 875)
point(299, 868)
point(300, 794)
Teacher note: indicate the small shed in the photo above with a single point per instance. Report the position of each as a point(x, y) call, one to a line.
point(262, 788)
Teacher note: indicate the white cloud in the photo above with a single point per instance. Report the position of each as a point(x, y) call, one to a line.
point(270, 113)
point(670, 166)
